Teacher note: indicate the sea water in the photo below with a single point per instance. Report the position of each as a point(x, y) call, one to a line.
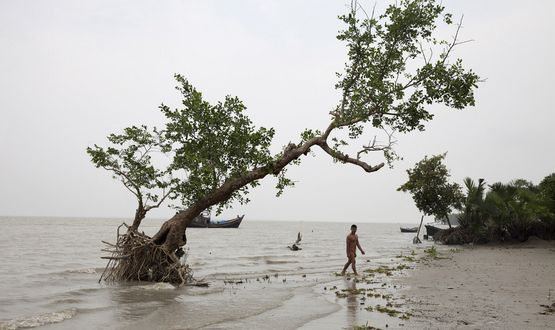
point(49, 271)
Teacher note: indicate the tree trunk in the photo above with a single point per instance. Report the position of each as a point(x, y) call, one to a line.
point(170, 235)
point(140, 214)
point(448, 222)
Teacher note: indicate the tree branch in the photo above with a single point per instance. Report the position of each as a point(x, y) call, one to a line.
point(372, 146)
point(150, 207)
point(137, 191)
point(346, 159)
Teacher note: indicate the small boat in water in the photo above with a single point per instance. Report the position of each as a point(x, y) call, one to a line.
point(204, 221)
point(433, 228)
point(409, 230)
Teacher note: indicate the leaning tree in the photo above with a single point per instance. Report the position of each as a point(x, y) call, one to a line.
point(396, 69)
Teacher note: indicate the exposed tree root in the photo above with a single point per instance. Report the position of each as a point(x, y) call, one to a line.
point(135, 257)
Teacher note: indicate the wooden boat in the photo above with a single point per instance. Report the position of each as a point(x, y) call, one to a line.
point(434, 228)
point(204, 221)
point(409, 230)
point(431, 230)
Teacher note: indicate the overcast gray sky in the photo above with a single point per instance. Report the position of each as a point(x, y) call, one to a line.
point(71, 72)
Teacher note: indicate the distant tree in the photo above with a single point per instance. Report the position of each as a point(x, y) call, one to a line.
point(547, 191)
point(389, 81)
point(515, 207)
point(431, 191)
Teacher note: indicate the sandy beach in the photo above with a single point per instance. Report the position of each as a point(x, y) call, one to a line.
point(484, 287)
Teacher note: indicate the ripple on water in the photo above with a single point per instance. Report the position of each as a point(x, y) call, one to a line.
point(38, 320)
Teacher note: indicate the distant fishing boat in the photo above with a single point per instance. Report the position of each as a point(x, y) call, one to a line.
point(204, 221)
point(409, 229)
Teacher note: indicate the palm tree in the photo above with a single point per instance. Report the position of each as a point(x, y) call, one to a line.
point(474, 212)
point(516, 207)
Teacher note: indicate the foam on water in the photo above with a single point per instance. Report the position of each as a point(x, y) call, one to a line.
point(157, 286)
point(38, 320)
point(84, 271)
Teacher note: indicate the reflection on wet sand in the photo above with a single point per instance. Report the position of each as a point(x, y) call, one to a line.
point(135, 301)
point(352, 301)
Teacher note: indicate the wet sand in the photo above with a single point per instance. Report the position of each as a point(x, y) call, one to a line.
point(484, 287)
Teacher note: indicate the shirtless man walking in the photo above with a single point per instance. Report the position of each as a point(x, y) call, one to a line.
point(352, 244)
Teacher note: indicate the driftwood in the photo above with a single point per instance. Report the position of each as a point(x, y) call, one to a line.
point(135, 257)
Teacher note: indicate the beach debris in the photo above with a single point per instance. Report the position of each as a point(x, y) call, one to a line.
point(355, 291)
point(197, 283)
point(548, 309)
point(365, 327)
point(391, 312)
point(299, 238)
point(341, 294)
point(386, 270)
point(294, 247)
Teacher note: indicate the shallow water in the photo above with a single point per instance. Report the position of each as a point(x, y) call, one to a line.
point(50, 270)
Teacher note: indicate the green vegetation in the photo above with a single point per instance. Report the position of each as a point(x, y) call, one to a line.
point(341, 294)
point(365, 327)
point(408, 258)
point(380, 270)
point(431, 252)
point(396, 70)
point(355, 291)
point(507, 211)
point(393, 312)
point(430, 189)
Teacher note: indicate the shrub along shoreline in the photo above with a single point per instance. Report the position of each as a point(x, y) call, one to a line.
point(504, 212)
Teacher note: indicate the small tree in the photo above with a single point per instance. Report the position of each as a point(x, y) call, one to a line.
point(388, 82)
point(430, 189)
point(129, 159)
